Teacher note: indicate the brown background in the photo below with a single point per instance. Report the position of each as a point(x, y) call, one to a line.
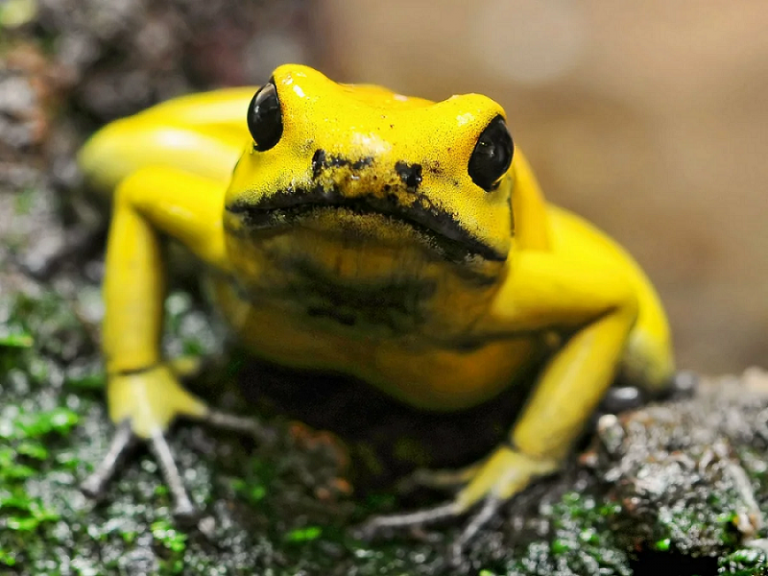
point(650, 118)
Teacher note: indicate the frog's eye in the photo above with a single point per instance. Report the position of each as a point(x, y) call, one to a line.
point(492, 155)
point(265, 117)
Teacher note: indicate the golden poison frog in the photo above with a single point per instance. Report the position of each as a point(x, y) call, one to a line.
point(348, 228)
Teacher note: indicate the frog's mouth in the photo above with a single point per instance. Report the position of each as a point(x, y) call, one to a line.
point(440, 229)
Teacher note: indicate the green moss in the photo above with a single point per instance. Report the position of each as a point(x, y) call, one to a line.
point(15, 337)
point(744, 562)
point(169, 537)
point(22, 460)
point(581, 541)
point(251, 493)
point(24, 202)
point(85, 379)
point(662, 545)
point(7, 558)
point(304, 534)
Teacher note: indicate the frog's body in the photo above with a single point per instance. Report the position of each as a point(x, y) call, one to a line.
point(353, 237)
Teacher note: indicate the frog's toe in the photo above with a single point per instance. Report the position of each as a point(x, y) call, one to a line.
point(448, 480)
point(241, 424)
point(122, 441)
point(486, 513)
point(385, 524)
point(183, 509)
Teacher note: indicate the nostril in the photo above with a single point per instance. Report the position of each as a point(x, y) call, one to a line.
point(318, 162)
point(321, 160)
point(410, 174)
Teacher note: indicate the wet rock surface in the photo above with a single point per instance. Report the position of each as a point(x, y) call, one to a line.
point(671, 467)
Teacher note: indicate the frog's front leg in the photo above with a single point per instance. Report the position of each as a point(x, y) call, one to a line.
point(143, 391)
point(598, 309)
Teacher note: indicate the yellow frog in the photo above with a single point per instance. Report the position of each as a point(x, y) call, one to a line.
point(348, 228)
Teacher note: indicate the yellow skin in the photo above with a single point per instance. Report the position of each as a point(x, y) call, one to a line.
point(360, 279)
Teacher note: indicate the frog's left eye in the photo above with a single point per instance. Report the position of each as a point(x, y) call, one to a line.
point(265, 117)
point(492, 155)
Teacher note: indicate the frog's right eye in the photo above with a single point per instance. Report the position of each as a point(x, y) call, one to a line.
point(265, 117)
point(492, 155)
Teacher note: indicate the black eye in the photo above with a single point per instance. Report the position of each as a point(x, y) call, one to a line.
point(492, 155)
point(265, 118)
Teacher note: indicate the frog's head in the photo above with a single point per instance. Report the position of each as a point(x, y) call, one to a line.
point(356, 179)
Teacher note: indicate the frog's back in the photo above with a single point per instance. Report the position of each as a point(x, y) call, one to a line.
point(201, 133)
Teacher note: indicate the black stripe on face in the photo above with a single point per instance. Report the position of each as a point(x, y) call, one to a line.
point(444, 232)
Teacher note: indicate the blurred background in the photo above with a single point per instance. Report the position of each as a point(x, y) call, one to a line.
point(648, 118)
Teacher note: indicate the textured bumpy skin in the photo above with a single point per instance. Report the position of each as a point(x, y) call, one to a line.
point(359, 243)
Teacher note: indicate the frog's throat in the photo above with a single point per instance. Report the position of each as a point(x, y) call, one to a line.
point(287, 207)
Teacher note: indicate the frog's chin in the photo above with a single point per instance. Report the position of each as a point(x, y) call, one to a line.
point(364, 223)
point(371, 247)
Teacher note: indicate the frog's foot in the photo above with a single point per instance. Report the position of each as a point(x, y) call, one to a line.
point(144, 404)
point(503, 474)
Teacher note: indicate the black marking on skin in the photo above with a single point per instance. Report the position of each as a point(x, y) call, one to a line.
point(285, 207)
point(410, 174)
point(398, 304)
point(321, 160)
point(512, 226)
point(343, 318)
point(134, 371)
